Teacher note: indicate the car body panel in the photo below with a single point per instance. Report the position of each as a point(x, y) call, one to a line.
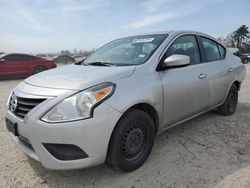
point(83, 77)
point(13, 68)
point(39, 91)
point(184, 93)
point(147, 89)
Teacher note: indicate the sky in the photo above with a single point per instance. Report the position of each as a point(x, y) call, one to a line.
point(42, 26)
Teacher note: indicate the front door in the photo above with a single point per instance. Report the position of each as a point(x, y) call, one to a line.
point(14, 65)
point(186, 89)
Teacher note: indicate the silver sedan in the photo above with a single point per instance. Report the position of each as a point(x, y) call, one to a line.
point(111, 106)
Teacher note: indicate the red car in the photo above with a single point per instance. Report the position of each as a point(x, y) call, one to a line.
point(17, 65)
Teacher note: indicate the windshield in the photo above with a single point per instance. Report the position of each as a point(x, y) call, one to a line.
point(127, 51)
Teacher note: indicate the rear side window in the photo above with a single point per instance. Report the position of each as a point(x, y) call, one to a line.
point(222, 51)
point(28, 58)
point(211, 49)
point(185, 45)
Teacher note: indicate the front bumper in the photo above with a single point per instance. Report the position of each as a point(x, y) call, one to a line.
point(90, 135)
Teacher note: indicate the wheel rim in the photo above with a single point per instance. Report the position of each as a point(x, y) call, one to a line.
point(232, 102)
point(134, 141)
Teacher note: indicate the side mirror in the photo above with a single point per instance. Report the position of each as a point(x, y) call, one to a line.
point(2, 60)
point(177, 60)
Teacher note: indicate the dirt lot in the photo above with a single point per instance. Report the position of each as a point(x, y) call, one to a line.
point(209, 151)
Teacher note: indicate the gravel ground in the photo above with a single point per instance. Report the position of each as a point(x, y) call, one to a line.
point(209, 151)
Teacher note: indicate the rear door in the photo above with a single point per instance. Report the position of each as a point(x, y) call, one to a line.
point(30, 63)
point(186, 89)
point(219, 71)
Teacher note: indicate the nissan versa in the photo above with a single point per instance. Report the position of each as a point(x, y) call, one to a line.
point(111, 106)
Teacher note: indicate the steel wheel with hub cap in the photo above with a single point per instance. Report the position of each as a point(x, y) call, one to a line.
point(131, 141)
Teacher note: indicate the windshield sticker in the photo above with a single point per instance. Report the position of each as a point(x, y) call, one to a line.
point(143, 40)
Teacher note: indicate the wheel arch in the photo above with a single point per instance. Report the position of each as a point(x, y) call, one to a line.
point(150, 110)
point(235, 82)
point(146, 107)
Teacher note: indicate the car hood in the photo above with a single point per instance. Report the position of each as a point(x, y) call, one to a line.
point(78, 77)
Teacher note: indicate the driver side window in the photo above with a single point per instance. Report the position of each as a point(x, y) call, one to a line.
point(185, 45)
point(12, 58)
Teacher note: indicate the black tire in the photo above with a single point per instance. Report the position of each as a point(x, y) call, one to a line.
point(245, 61)
point(39, 69)
point(131, 141)
point(230, 104)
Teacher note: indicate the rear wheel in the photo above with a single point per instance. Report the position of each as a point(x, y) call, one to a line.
point(230, 104)
point(39, 69)
point(131, 141)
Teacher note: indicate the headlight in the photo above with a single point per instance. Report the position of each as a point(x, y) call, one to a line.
point(80, 105)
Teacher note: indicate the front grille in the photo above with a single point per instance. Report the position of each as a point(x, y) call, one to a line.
point(21, 106)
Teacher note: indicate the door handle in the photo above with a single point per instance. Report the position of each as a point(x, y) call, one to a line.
point(230, 69)
point(202, 76)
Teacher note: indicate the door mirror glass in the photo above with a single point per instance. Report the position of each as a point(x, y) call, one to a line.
point(2, 60)
point(177, 60)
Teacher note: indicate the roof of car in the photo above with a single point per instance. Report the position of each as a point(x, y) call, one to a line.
point(173, 32)
point(18, 54)
point(21, 54)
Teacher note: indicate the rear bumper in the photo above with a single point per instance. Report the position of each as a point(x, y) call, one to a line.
point(90, 135)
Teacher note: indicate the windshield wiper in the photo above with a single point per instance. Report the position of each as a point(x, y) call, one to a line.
point(101, 63)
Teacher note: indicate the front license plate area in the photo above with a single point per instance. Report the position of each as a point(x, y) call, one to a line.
point(12, 127)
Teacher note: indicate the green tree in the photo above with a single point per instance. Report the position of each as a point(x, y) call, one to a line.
point(240, 36)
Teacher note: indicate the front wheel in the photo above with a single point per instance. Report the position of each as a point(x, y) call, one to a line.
point(131, 141)
point(230, 104)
